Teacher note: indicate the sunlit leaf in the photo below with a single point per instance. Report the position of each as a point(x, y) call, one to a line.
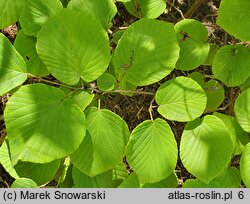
point(42, 125)
point(181, 99)
point(74, 46)
point(152, 151)
point(206, 147)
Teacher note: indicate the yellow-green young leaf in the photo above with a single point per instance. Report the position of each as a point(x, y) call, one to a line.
point(234, 18)
point(42, 125)
point(5, 160)
point(104, 144)
point(229, 178)
point(245, 166)
point(242, 109)
point(12, 66)
point(238, 135)
point(145, 8)
point(170, 182)
point(231, 64)
point(10, 11)
point(104, 10)
point(36, 13)
point(152, 151)
point(24, 183)
point(40, 173)
point(74, 46)
point(26, 46)
point(192, 36)
point(148, 46)
point(181, 99)
point(81, 180)
point(206, 147)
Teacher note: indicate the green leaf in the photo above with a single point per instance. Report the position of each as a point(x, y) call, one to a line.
point(104, 10)
point(12, 66)
point(213, 89)
point(145, 8)
point(170, 182)
point(242, 109)
point(238, 135)
point(215, 94)
point(148, 46)
point(152, 151)
point(117, 36)
point(106, 82)
point(181, 99)
point(198, 77)
point(192, 36)
point(212, 52)
point(24, 183)
point(84, 53)
point(231, 64)
point(36, 13)
point(81, 180)
point(206, 147)
point(10, 11)
point(245, 166)
point(6, 162)
point(26, 46)
point(131, 181)
point(234, 18)
point(83, 99)
point(42, 125)
point(104, 144)
point(196, 183)
point(230, 178)
point(120, 172)
point(40, 173)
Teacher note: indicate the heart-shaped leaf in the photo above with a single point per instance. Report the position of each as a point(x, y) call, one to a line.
point(148, 46)
point(192, 36)
point(42, 125)
point(70, 62)
point(231, 64)
point(152, 151)
point(104, 144)
point(206, 147)
point(181, 99)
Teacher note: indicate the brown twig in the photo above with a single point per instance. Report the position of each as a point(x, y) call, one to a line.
point(193, 8)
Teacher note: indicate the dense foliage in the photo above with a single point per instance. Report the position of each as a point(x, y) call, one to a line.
point(58, 129)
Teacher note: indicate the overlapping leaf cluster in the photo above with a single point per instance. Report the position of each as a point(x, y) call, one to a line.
point(59, 133)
